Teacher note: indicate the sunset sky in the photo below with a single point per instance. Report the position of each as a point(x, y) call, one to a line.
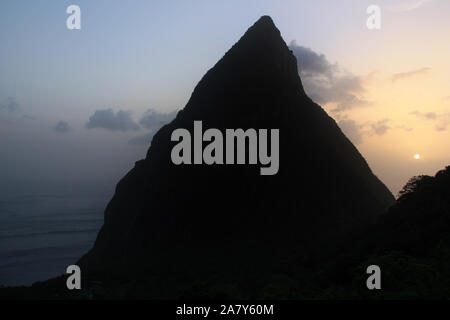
point(79, 107)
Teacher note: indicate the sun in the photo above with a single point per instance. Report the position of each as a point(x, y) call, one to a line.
point(417, 156)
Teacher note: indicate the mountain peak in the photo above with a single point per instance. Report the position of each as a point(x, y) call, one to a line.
point(264, 30)
point(265, 22)
point(261, 58)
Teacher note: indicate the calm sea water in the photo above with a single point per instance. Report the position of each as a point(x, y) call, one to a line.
point(40, 235)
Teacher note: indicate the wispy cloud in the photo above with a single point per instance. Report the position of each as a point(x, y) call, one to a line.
point(356, 132)
point(9, 104)
point(409, 74)
point(427, 115)
point(380, 127)
point(441, 120)
point(404, 6)
point(61, 127)
point(403, 127)
point(352, 130)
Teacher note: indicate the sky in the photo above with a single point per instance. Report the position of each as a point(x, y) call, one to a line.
point(79, 107)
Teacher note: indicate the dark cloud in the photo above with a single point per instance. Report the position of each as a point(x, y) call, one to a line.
point(154, 120)
point(312, 64)
point(442, 121)
point(9, 104)
point(409, 74)
point(61, 127)
point(143, 140)
point(326, 82)
point(107, 119)
point(407, 5)
point(403, 127)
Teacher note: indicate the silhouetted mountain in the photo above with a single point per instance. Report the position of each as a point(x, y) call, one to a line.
point(202, 219)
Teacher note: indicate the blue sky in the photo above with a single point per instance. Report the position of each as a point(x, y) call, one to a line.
point(147, 52)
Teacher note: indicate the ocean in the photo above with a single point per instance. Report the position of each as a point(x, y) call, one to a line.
point(40, 235)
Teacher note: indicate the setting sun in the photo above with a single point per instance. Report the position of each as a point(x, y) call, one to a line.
point(417, 156)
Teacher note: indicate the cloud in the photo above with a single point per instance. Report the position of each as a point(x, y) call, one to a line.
point(143, 140)
point(28, 117)
point(442, 121)
point(403, 127)
point(409, 74)
point(311, 63)
point(428, 115)
point(356, 131)
point(328, 83)
point(61, 127)
point(380, 127)
point(352, 130)
point(107, 119)
point(407, 5)
point(154, 120)
point(10, 104)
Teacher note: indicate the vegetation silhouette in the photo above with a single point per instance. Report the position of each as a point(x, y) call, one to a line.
point(411, 244)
